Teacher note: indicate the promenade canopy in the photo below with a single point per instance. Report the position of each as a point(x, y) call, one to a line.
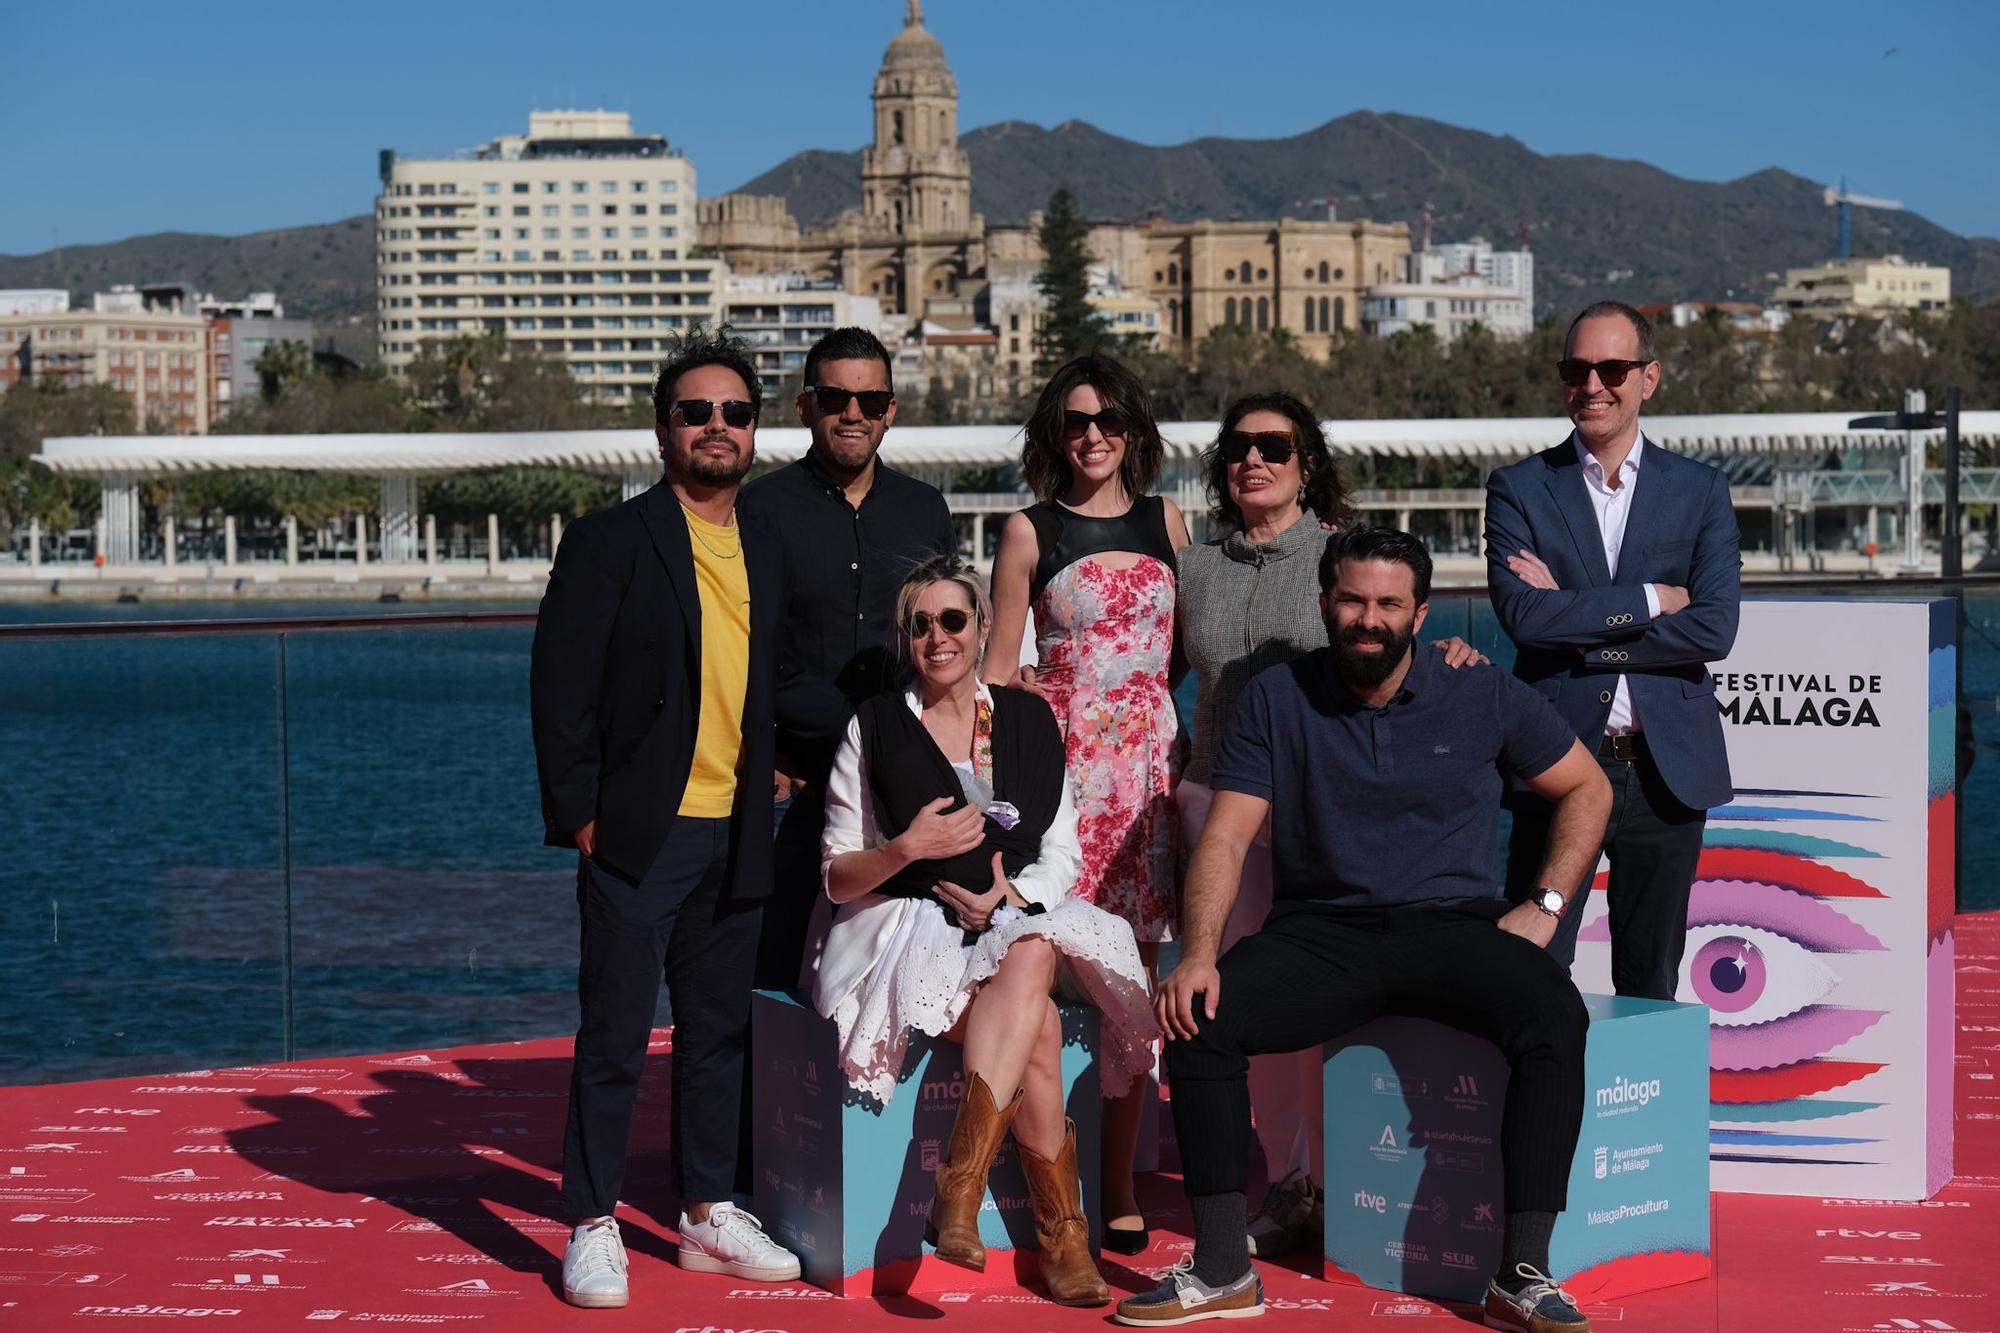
point(629, 450)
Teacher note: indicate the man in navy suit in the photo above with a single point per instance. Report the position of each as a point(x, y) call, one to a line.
point(1613, 565)
point(652, 681)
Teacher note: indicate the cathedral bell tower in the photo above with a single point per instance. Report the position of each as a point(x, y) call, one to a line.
point(915, 180)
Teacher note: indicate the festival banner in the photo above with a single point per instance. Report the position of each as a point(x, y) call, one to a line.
point(1820, 923)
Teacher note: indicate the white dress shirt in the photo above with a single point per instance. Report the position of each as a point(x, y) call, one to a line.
point(1614, 508)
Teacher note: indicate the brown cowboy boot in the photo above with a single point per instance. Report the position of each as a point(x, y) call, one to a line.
point(960, 1181)
point(1059, 1226)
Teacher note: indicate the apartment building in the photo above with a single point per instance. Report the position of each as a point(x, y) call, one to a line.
point(1473, 264)
point(1448, 308)
point(574, 240)
point(781, 315)
point(1862, 286)
point(33, 301)
point(158, 357)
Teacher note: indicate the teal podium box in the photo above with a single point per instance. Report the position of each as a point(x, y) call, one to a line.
point(1414, 1189)
point(844, 1181)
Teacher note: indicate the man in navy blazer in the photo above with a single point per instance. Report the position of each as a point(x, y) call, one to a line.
point(652, 683)
point(1613, 565)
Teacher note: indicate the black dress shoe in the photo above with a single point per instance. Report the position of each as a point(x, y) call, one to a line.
point(1122, 1240)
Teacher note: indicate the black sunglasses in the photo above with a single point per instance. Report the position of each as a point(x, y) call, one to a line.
point(832, 401)
point(1109, 422)
point(952, 620)
point(1611, 374)
point(1273, 446)
point(736, 414)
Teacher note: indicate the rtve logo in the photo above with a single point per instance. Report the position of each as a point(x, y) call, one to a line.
point(1374, 1203)
point(115, 1110)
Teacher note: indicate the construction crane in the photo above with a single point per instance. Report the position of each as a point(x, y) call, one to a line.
point(1841, 199)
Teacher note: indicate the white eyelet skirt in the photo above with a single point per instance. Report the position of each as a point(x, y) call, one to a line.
point(923, 977)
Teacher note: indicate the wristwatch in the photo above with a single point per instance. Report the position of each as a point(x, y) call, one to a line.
point(1549, 902)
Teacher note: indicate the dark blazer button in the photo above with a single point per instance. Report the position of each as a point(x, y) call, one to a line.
point(1605, 697)
point(658, 704)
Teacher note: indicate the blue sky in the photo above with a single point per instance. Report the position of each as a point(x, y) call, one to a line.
point(226, 116)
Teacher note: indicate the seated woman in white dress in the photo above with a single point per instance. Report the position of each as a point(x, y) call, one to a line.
point(951, 849)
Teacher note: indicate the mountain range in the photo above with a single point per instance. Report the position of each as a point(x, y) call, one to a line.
point(1599, 226)
point(319, 272)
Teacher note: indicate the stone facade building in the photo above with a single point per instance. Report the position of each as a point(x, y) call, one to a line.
point(916, 245)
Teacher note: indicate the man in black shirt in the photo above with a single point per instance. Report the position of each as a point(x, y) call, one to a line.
point(852, 529)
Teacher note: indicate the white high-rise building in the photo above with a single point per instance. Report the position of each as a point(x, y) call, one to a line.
point(781, 315)
point(573, 240)
point(1484, 279)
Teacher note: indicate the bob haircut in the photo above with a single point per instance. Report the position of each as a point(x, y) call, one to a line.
point(1321, 488)
point(1045, 467)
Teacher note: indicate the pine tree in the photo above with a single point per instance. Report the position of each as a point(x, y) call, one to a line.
point(1070, 325)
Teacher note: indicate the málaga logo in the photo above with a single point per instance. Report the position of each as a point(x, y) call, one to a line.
point(1624, 1091)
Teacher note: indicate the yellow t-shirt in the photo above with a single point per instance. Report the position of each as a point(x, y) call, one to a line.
point(724, 587)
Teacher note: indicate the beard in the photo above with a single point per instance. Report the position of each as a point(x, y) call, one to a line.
point(696, 466)
point(1367, 670)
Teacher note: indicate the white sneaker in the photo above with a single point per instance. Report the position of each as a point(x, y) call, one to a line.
point(594, 1266)
point(1284, 1219)
point(732, 1241)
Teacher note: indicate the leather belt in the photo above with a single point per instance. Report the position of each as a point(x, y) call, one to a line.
point(1624, 746)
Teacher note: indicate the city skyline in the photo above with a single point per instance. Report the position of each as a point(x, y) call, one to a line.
point(301, 150)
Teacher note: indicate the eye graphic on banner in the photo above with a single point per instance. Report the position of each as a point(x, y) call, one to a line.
point(1750, 977)
point(1764, 949)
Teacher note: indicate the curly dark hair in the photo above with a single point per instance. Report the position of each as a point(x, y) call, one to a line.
point(702, 346)
point(1045, 467)
point(1322, 491)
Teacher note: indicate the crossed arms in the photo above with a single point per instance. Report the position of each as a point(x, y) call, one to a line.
point(1694, 625)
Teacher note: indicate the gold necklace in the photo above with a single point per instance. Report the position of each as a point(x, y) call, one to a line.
point(694, 529)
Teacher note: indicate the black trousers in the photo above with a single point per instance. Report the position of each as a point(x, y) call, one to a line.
point(1314, 972)
point(679, 920)
point(1653, 842)
point(795, 887)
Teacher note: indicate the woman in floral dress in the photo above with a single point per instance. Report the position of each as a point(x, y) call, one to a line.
point(1094, 558)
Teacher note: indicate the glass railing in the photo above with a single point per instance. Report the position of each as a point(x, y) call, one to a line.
point(238, 841)
point(260, 840)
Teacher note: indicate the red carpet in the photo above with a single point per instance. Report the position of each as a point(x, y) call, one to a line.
point(419, 1190)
